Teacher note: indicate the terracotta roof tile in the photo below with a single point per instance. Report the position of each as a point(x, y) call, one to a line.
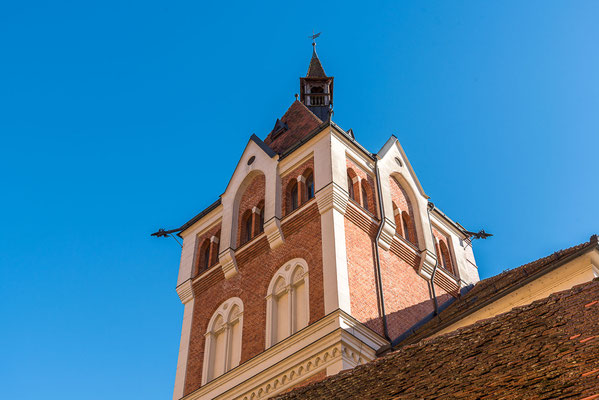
point(300, 123)
point(497, 285)
point(525, 353)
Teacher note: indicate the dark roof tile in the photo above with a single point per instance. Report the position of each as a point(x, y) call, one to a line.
point(525, 353)
point(300, 122)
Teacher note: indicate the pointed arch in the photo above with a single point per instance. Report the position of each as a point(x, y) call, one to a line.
point(291, 196)
point(353, 187)
point(408, 207)
point(287, 301)
point(445, 257)
point(222, 349)
point(308, 192)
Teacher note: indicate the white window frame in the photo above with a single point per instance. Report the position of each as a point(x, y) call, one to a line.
point(286, 272)
point(224, 311)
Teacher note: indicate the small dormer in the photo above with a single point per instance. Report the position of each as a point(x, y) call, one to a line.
point(316, 88)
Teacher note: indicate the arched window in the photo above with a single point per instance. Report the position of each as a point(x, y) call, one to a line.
point(445, 257)
point(351, 188)
point(222, 350)
point(365, 192)
point(310, 186)
point(206, 255)
point(259, 218)
point(287, 303)
point(397, 218)
point(246, 227)
point(292, 196)
point(407, 227)
point(202, 258)
point(319, 99)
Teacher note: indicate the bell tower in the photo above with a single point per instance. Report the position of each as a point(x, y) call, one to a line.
point(316, 88)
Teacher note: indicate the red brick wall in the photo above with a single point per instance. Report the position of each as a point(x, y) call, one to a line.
point(257, 264)
point(359, 234)
point(254, 193)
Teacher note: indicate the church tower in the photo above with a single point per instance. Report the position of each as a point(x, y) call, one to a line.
point(318, 255)
point(316, 88)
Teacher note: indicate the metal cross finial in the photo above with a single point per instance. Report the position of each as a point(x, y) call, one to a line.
point(314, 36)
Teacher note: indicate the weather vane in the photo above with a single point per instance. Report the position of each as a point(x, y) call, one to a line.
point(314, 36)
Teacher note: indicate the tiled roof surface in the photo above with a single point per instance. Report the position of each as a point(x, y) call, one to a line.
point(300, 121)
point(545, 350)
point(497, 285)
point(315, 69)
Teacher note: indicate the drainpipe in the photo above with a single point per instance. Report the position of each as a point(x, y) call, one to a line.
point(429, 208)
point(379, 280)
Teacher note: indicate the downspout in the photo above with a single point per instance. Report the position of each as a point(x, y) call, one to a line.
point(429, 208)
point(379, 279)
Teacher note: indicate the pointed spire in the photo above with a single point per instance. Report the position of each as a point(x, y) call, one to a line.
point(315, 69)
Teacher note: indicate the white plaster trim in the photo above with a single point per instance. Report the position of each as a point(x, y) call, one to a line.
point(427, 264)
point(274, 233)
point(185, 291)
point(228, 263)
point(387, 234)
point(337, 327)
point(183, 351)
point(332, 196)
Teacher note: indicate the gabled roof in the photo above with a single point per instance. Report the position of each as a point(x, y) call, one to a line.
point(315, 69)
point(300, 122)
point(545, 350)
point(489, 290)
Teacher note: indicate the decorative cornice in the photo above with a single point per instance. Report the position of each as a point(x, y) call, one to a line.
point(332, 196)
point(185, 291)
point(303, 370)
point(336, 330)
point(274, 233)
point(228, 263)
point(387, 234)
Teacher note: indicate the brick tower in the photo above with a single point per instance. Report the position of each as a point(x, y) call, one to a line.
point(318, 254)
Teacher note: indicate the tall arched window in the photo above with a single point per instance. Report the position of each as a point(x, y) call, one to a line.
point(310, 186)
point(407, 227)
point(397, 219)
point(351, 185)
point(292, 196)
point(445, 257)
point(206, 255)
point(365, 192)
point(202, 257)
point(246, 227)
point(222, 351)
point(259, 218)
point(287, 302)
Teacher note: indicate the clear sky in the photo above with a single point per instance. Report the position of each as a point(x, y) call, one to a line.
point(121, 117)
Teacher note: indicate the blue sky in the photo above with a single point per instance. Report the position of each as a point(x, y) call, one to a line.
point(117, 118)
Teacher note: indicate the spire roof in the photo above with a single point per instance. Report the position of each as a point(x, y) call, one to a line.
point(315, 69)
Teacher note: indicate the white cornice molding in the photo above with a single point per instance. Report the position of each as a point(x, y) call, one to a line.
point(228, 263)
point(185, 291)
point(338, 329)
point(387, 234)
point(274, 233)
point(427, 264)
point(332, 196)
